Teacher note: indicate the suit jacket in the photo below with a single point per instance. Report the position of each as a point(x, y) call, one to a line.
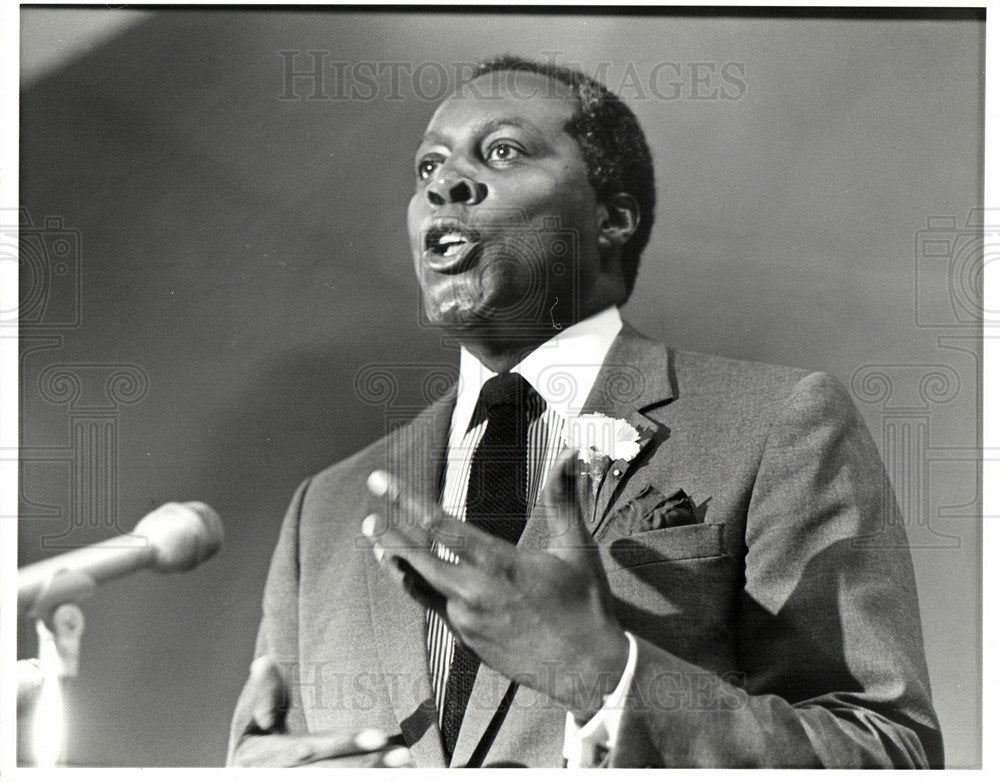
point(753, 547)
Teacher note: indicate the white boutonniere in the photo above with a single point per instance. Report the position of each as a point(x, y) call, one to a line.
point(599, 439)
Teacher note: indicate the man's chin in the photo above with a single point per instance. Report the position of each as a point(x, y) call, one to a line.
point(477, 327)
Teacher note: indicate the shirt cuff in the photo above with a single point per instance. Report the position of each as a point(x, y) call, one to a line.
point(588, 746)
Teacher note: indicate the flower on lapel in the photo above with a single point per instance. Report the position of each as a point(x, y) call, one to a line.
point(599, 441)
point(597, 437)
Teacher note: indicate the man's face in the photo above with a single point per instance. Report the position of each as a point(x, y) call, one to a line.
point(504, 222)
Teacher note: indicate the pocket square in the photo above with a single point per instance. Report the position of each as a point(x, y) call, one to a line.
point(650, 510)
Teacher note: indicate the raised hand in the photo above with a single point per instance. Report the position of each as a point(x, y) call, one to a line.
point(539, 616)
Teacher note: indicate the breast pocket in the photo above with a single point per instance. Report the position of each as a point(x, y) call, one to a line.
point(676, 588)
point(691, 541)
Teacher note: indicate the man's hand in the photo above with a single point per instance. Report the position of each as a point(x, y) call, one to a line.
point(259, 737)
point(541, 618)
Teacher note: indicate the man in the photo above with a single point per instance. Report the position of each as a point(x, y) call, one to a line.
point(714, 574)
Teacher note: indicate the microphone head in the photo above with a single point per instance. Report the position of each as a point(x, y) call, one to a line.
point(182, 535)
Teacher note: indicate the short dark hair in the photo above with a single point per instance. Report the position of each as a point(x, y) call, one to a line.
point(614, 146)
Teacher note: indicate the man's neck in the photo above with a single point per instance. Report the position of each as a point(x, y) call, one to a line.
point(502, 357)
point(499, 351)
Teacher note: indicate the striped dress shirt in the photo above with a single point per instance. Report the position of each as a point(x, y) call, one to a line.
point(544, 441)
point(563, 372)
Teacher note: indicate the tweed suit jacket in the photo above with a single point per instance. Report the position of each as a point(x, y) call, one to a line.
point(775, 610)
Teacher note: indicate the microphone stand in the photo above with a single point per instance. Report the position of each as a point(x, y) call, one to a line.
point(59, 625)
point(171, 539)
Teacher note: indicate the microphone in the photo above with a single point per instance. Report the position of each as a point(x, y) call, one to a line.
point(173, 538)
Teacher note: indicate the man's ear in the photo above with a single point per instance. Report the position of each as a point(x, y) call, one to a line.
point(618, 218)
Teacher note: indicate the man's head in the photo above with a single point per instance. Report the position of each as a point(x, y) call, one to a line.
point(534, 200)
point(613, 145)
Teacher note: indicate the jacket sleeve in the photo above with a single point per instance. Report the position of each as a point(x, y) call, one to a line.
point(830, 646)
point(278, 633)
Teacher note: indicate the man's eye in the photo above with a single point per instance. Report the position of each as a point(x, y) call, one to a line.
point(427, 167)
point(503, 152)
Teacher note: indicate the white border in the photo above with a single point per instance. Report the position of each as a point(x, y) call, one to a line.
point(9, 90)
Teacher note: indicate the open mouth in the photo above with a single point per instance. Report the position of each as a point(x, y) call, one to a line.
point(445, 246)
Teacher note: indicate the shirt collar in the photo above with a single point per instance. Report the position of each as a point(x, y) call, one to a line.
point(562, 370)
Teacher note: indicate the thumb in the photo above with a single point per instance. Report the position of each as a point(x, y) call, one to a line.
point(568, 538)
point(266, 686)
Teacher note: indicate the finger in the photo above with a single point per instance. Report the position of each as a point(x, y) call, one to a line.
point(335, 746)
point(424, 514)
point(400, 570)
point(375, 528)
point(568, 537)
point(452, 580)
point(267, 692)
point(386, 546)
point(418, 587)
point(397, 757)
point(384, 484)
point(470, 544)
point(286, 751)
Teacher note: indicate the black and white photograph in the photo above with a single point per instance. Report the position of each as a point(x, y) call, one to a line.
point(495, 386)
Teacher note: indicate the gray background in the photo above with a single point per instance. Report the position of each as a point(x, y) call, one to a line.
point(242, 257)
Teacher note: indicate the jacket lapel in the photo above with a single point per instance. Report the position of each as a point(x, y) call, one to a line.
point(635, 377)
point(608, 487)
point(415, 453)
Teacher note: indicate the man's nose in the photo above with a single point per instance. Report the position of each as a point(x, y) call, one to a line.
point(456, 190)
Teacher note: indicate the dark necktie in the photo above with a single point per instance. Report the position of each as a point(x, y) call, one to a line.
point(496, 501)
